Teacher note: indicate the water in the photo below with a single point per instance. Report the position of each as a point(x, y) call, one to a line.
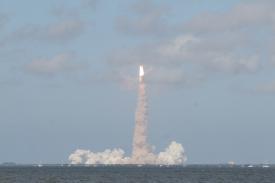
point(130, 174)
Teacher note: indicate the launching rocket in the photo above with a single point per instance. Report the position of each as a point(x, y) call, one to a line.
point(141, 73)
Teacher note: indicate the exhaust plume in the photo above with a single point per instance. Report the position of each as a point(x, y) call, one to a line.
point(141, 148)
point(142, 152)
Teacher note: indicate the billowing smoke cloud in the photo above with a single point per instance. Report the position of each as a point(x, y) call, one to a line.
point(173, 155)
point(142, 152)
point(115, 156)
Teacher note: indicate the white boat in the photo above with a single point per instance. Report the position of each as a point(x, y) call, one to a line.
point(265, 166)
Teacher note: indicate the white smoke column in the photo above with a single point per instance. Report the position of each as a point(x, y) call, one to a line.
point(141, 149)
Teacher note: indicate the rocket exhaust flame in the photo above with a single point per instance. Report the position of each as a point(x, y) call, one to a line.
point(141, 72)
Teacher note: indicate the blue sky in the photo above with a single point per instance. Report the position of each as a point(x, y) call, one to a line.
point(68, 77)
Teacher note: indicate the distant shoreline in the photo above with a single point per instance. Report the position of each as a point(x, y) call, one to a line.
point(136, 165)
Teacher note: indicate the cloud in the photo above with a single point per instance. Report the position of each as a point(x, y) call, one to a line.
point(59, 63)
point(148, 19)
point(64, 30)
point(245, 15)
point(204, 53)
point(186, 59)
point(61, 31)
point(69, 24)
point(234, 41)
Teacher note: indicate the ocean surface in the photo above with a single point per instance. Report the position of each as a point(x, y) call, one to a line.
point(134, 174)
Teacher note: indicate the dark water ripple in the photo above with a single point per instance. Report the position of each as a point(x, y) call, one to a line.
point(137, 174)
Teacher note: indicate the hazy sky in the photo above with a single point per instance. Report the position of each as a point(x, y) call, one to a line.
point(68, 77)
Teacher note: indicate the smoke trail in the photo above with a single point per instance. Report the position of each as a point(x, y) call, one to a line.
point(141, 148)
point(142, 152)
